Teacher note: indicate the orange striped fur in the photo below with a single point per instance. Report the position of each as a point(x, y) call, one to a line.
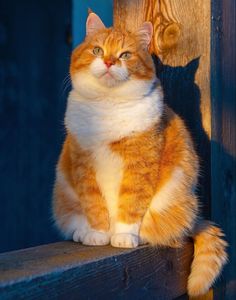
point(128, 169)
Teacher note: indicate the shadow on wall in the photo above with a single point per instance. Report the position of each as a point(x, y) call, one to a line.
point(183, 96)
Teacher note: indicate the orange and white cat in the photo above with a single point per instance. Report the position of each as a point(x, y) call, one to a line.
point(128, 170)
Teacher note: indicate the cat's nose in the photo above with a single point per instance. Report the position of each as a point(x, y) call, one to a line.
point(108, 63)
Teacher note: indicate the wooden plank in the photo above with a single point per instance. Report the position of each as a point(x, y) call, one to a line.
point(223, 90)
point(34, 60)
point(67, 270)
point(182, 43)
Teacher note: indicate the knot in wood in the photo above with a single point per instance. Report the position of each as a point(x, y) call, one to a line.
point(169, 36)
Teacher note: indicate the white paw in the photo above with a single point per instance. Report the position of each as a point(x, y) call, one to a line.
point(124, 240)
point(78, 235)
point(78, 224)
point(96, 238)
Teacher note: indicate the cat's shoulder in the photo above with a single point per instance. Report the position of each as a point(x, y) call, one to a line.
point(173, 125)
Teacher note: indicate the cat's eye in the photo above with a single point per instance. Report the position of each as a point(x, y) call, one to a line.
point(98, 51)
point(125, 55)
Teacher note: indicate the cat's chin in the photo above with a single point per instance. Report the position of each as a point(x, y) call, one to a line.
point(109, 81)
point(99, 87)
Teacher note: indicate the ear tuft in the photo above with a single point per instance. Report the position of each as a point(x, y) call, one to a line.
point(93, 24)
point(90, 11)
point(145, 33)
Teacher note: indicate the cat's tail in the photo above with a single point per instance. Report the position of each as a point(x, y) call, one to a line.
point(209, 258)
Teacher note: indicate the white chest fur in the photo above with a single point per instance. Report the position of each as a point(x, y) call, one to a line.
point(109, 172)
point(105, 121)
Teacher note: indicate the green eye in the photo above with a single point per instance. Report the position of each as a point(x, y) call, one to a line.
point(98, 51)
point(125, 55)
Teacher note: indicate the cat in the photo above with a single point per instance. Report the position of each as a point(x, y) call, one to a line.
point(128, 170)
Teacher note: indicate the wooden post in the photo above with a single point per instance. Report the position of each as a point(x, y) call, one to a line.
point(181, 42)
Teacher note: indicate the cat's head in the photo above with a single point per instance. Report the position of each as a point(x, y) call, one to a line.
point(110, 58)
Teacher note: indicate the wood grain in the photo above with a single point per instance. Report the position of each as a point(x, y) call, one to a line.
point(181, 41)
point(67, 270)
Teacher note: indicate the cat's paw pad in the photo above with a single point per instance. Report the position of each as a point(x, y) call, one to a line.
point(124, 240)
point(78, 235)
point(96, 238)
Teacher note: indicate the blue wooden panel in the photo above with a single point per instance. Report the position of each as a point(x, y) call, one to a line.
point(104, 8)
point(34, 60)
point(223, 148)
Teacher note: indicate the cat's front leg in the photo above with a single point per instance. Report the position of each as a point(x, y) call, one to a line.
point(131, 209)
point(94, 207)
point(91, 200)
point(83, 218)
point(140, 172)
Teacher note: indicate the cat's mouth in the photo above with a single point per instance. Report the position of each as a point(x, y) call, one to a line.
point(107, 74)
point(110, 77)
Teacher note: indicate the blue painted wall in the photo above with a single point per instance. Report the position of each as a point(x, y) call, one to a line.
point(35, 47)
point(34, 60)
point(103, 8)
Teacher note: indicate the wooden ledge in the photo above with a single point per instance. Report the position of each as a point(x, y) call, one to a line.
point(67, 270)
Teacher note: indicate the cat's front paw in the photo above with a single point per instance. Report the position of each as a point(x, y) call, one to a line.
point(96, 238)
point(124, 240)
point(78, 235)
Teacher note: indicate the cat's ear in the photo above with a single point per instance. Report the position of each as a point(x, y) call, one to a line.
point(145, 33)
point(93, 24)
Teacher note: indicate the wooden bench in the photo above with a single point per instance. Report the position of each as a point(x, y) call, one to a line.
point(67, 270)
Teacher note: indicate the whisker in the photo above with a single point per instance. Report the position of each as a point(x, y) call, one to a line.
point(66, 83)
point(66, 88)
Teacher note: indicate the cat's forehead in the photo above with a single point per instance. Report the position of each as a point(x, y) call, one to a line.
point(115, 38)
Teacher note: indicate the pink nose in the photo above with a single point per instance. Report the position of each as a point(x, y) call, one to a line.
point(108, 63)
